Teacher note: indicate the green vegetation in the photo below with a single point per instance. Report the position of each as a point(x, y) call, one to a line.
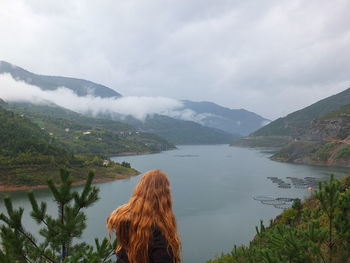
point(28, 155)
point(315, 133)
point(126, 164)
point(23, 143)
point(34, 175)
point(80, 134)
point(345, 110)
point(313, 232)
point(262, 141)
point(297, 122)
point(182, 132)
point(344, 153)
point(317, 153)
point(59, 235)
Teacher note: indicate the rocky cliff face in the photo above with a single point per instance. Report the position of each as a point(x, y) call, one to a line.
point(324, 143)
point(336, 127)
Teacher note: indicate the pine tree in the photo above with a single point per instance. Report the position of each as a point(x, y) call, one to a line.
point(328, 195)
point(58, 233)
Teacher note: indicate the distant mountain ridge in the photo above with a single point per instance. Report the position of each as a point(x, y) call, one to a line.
point(80, 87)
point(229, 120)
point(212, 123)
point(182, 132)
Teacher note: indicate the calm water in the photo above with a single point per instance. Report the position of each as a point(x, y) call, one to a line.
point(213, 188)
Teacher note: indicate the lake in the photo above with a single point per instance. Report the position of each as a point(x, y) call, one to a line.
point(213, 188)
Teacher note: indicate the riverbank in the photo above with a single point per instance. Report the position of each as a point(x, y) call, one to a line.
point(332, 154)
point(320, 153)
point(35, 177)
point(4, 188)
point(138, 153)
point(309, 161)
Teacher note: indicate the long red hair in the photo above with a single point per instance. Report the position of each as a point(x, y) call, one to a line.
point(150, 206)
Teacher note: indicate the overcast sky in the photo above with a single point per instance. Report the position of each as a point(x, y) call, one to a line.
point(270, 57)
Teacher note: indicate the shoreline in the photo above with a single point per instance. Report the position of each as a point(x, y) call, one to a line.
point(137, 153)
point(13, 188)
point(76, 183)
point(131, 153)
point(313, 163)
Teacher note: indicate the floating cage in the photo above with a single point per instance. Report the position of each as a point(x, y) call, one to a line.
point(285, 199)
point(273, 202)
point(279, 202)
point(284, 185)
point(283, 206)
point(299, 183)
point(263, 198)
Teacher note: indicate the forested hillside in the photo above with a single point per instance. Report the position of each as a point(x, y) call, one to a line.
point(22, 143)
point(182, 132)
point(29, 156)
point(82, 134)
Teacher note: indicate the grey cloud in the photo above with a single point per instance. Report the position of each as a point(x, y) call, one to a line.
point(12, 90)
point(271, 57)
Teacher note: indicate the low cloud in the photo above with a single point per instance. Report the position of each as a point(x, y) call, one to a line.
point(190, 115)
point(12, 90)
point(270, 57)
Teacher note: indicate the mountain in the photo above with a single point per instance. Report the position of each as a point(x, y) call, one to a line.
point(81, 134)
point(186, 132)
point(235, 121)
point(179, 131)
point(214, 123)
point(326, 141)
point(80, 87)
point(297, 122)
point(294, 126)
point(318, 134)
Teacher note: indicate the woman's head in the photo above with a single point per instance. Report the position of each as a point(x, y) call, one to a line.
point(150, 206)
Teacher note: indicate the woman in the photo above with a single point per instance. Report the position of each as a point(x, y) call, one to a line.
point(146, 225)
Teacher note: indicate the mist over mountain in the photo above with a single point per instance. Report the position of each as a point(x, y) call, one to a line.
point(180, 131)
point(86, 97)
point(80, 87)
point(230, 120)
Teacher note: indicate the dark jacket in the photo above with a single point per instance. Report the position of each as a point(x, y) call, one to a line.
point(159, 252)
